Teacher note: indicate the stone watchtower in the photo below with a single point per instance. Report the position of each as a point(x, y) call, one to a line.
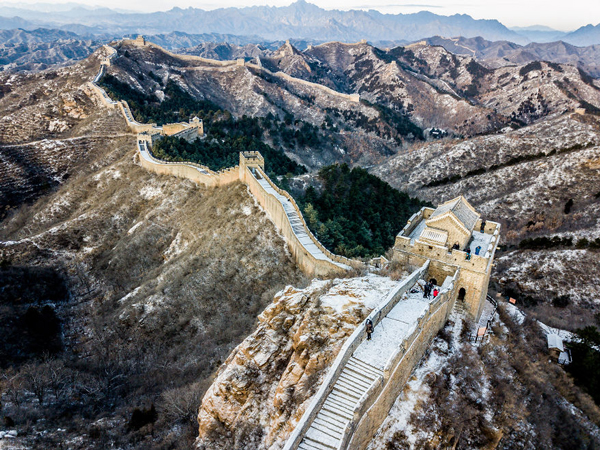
point(139, 41)
point(250, 160)
point(443, 235)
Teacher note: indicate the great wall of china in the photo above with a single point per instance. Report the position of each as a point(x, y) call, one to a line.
point(233, 64)
point(310, 255)
point(367, 375)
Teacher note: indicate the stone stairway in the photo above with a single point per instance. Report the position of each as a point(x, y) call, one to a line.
point(460, 307)
point(362, 374)
point(297, 224)
point(327, 429)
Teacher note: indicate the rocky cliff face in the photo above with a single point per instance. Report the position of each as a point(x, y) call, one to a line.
point(267, 382)
point(439, 89)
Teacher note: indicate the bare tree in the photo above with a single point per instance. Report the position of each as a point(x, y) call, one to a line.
point(11, 385)
point(36, 380)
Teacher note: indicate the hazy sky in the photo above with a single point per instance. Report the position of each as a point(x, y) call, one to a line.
point(559, 14)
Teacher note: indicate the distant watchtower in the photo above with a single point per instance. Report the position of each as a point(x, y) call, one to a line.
point(139, 41)
point(443, 235)
point(251, 159)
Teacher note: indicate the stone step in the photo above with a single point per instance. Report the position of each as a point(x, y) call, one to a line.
point(356, 379)
point(339, 392)
point(321, 438)
point(327, 428)
point(309, 444)
point(332, 418)
point(363, 371)
point(365, 366)
point(356, 374)
point(349, 404)
point(337, 409)
point(352, 389)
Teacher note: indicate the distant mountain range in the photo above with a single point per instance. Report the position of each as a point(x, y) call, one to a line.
point(300, 20)
point(37, 49)
point(503, 53)
point(41, 48)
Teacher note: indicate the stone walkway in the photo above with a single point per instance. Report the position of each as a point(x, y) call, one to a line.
point(298, 225)
point(482, 240)
point(363, 370)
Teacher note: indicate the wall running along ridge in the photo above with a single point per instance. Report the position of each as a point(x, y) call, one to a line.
point(141, 42)
point(376, 402)
point(320, 263)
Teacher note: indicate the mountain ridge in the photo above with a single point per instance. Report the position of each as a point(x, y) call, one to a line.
point(297, 20)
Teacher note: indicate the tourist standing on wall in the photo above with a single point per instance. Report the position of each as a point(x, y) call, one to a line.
point(369, 329)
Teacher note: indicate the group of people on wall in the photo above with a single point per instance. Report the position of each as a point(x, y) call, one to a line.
point(456, 245)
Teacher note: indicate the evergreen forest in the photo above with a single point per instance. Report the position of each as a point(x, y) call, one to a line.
point(585, 367)
point(218, 154)
point(356, 214)
point(177, 105)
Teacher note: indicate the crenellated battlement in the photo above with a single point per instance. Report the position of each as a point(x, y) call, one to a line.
point(252, 159)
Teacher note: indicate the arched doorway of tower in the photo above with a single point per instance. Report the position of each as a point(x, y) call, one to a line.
point(461, 294)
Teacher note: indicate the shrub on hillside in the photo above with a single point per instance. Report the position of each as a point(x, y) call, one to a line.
point(534, 65)
point(545, 242)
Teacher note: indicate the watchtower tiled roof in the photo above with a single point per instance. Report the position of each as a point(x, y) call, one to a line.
point(461, 209)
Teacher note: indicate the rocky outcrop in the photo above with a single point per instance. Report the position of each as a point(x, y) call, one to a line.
point(267, 382)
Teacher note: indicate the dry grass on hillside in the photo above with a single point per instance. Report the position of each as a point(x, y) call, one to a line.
point(164, 278)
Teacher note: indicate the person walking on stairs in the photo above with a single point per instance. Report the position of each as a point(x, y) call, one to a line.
point(369, 329)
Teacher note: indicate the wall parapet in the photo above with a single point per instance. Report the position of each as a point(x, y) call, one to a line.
point(346, 352)
point(355, 98)
point(412, 222)
point(192, 171)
